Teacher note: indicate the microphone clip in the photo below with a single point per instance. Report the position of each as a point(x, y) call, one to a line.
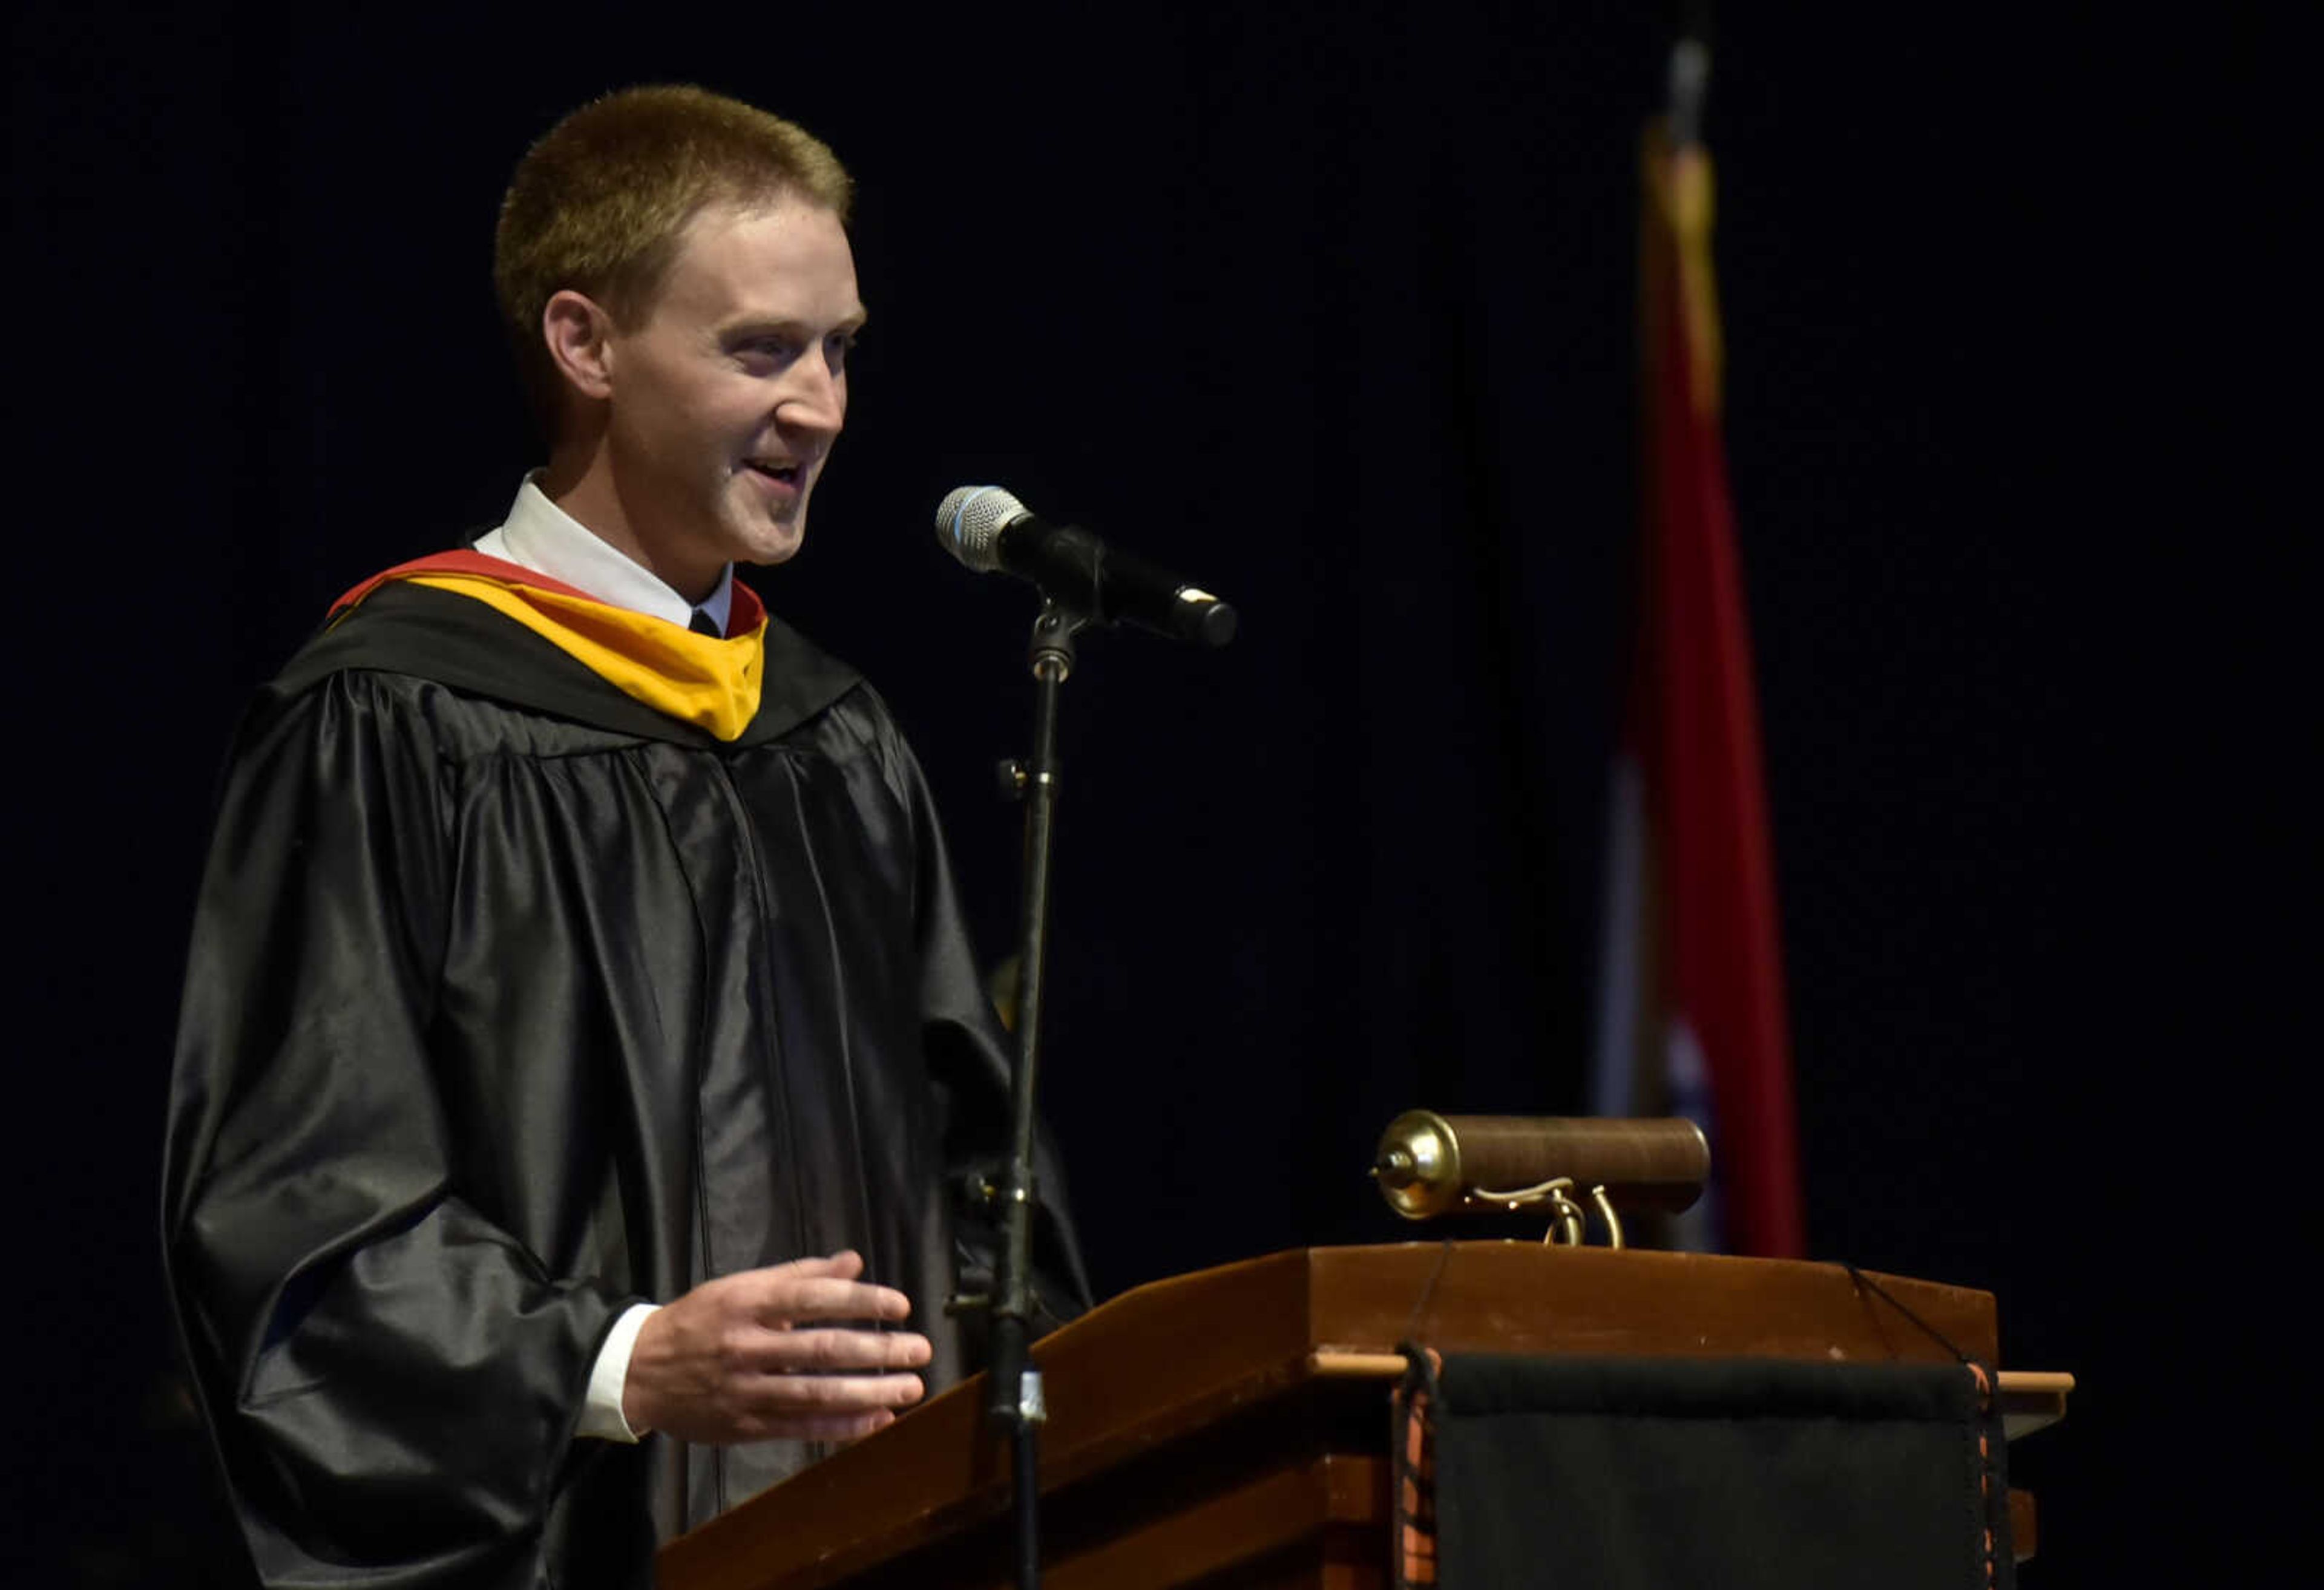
point(1050, 650)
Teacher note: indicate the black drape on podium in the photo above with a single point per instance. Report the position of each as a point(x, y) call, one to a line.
point(1645, 1474)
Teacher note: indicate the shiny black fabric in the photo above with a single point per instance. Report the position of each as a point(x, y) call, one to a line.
point(1748, 1474)
point(511, 1002)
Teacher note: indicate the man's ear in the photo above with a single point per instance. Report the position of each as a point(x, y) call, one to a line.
point(579, 335)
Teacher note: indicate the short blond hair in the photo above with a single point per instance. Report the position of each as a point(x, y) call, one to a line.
point(600, 203)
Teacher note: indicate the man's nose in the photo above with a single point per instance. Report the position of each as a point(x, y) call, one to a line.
point(813, 396)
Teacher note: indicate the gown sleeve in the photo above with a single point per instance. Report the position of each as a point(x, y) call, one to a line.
point(392, 1380)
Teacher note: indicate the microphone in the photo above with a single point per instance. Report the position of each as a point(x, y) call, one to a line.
point(987, 529)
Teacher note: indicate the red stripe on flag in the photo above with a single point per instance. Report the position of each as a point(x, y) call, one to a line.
point(1699, 741)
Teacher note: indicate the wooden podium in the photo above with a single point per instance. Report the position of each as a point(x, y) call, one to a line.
point(1232, 1426)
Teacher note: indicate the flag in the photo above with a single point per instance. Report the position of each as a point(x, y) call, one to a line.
point(1692, 1018)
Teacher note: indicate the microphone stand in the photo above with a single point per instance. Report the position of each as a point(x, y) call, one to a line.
point(1013, 1384)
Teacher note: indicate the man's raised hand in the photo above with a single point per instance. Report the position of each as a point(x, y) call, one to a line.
point(744, 1357)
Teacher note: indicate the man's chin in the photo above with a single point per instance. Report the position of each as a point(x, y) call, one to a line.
point(765, 552)
point(766, 542)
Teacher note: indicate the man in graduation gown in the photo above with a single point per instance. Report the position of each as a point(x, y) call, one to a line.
point(580, 1032)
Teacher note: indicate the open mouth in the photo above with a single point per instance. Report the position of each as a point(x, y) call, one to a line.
point(789, 474)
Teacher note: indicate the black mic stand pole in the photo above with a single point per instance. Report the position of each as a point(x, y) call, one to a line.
point(1014, 1386)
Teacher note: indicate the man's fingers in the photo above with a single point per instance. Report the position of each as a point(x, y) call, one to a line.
point(811, 1352)
point(787, 1351)
point(779, 1299)
point(809, 1396)
point(846, 1265)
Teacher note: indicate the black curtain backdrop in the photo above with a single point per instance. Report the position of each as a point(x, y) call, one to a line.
point(1334, 314)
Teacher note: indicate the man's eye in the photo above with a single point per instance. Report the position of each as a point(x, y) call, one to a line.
point(767, 353)
point(838, 347)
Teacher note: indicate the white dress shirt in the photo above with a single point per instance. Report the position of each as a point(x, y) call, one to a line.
point(539, 536)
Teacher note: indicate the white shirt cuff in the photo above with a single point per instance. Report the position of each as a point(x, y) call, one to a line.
point(601, 1415)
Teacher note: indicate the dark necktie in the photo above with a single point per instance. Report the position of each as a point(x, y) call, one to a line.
point(704, 624)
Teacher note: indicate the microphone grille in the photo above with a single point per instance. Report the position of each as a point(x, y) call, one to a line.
point(969, 522)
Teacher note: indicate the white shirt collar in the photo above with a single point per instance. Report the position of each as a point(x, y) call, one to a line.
point(539, 536)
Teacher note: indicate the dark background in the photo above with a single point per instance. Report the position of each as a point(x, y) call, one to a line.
point(1336, 316)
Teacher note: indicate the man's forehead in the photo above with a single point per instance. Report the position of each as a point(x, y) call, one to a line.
point(787, 259)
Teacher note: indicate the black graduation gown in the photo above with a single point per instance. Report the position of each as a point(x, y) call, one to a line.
point(511, 1002)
